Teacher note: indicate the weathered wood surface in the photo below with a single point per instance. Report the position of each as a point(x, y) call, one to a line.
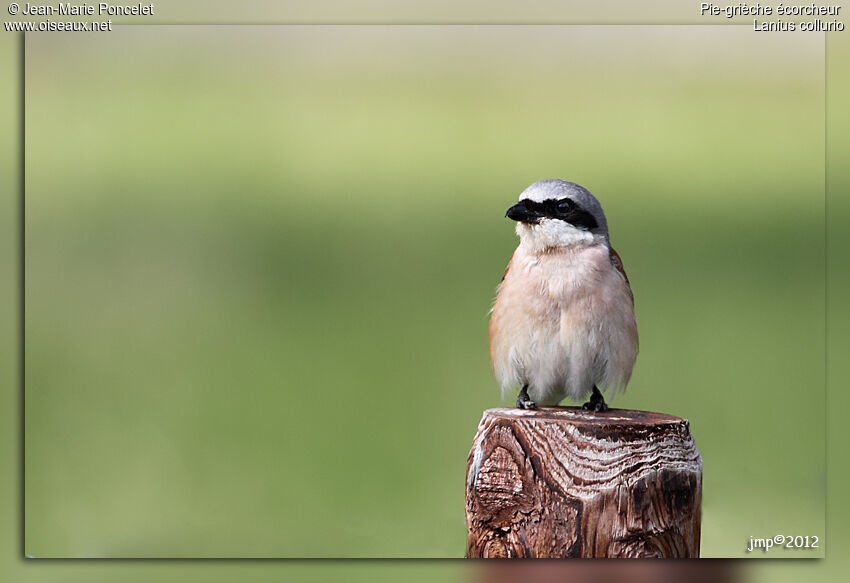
point(564, 482)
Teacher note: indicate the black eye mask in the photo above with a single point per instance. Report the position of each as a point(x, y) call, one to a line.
point(565, 209)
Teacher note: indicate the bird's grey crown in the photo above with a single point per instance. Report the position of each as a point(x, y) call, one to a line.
point(558, 189)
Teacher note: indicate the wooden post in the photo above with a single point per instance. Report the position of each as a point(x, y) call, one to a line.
point(564, 482)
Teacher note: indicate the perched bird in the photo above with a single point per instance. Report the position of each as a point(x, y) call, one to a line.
point(563, 323)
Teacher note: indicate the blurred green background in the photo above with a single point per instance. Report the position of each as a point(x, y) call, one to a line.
point(259, 262)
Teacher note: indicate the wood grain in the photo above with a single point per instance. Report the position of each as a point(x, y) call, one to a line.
point(564, 482)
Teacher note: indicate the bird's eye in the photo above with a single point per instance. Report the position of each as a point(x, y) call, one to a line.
point(564, 206)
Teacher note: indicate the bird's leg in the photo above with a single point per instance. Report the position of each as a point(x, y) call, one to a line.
point(596, 402)
point(523, 401)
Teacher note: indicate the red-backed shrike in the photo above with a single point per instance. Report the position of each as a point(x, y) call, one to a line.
point(563, 323)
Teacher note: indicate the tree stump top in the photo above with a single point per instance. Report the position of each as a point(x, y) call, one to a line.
point(619, 422)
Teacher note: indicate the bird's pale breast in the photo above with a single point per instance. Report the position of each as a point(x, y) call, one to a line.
point(562, 322)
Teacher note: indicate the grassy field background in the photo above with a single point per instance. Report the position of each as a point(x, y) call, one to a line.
point(260, 259)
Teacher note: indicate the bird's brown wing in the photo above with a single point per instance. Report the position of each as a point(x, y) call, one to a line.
point(618, 263)
point(494, 327)
point(507, 267)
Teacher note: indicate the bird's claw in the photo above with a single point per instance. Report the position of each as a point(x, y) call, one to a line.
point(596, 403)
point(526, 404)
point(596, 407)
point(523, 401)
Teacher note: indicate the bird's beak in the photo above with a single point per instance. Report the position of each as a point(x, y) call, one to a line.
point(520, 212)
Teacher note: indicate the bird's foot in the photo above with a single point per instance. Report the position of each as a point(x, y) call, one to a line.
point(523, 401)
point(596, 403)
